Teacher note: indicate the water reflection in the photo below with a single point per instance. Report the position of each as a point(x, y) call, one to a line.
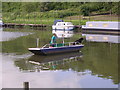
point(99, 64)
point(102, 38)
point(22, 40)
point(100, 59)
point(54, 62)
point(13, 78)
point(1, 33)
point(62, 33)
point(6, 35)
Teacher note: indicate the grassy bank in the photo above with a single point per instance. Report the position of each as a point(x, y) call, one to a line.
point(46, 12)
point(48, 18)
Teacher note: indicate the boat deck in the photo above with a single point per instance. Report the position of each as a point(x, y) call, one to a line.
point(57, 48)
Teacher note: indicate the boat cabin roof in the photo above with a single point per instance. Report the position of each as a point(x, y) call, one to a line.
point(57, 21)
point(63, 23)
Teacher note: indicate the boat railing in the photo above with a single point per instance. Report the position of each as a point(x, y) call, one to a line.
point(59, 44)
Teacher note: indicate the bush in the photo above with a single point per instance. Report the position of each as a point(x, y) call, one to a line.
point(85, 10)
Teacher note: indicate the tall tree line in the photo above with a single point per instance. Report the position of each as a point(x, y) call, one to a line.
point(85, 7)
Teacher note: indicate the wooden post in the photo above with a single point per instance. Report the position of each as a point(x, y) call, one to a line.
point(79, 19)
point(63, 39)
point(26, 85)
point(37, 42)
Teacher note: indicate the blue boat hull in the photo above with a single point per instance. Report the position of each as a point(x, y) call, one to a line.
point(56, 50)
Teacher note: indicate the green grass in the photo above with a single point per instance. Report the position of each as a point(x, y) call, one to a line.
point(48, 18)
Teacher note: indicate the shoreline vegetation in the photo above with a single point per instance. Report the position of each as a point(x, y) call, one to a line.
point(45, 13)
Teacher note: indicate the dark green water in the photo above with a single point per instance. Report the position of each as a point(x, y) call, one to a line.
point(95, 66)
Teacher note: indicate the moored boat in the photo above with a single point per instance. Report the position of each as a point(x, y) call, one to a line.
point(63, 28)
point(61, 25)
point(102, 26)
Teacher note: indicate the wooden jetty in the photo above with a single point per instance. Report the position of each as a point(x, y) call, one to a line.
point(22, 25)
point(31, 25)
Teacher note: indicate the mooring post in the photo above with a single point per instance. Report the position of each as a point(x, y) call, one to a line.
point(26, 85)
point(37, 42)
point(63, 39)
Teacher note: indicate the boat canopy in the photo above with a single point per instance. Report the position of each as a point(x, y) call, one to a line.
point(57, 21)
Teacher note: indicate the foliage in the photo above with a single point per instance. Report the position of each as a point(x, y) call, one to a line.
point(28, 7)
point(46, 12)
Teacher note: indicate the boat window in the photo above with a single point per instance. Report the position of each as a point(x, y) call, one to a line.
point(61, 23)
point(90, 25)
point(58, 23)
point(105, 25)
point(105, 38)
point(96, 25)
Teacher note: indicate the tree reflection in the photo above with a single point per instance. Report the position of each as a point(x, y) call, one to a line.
point(101, 59)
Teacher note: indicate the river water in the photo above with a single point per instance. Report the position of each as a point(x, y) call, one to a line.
point(95, 66)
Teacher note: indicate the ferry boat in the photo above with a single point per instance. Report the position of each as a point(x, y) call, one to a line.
point(102, 26)
point(57, 48)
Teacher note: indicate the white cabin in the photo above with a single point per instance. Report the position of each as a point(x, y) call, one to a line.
point(1, 23)
point(63, 26)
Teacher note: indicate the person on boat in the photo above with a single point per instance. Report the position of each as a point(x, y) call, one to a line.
point(53, 39)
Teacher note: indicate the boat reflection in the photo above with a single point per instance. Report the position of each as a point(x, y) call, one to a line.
point(63, 33)
point(1, 28)
point(102, 38)
point(52, 62)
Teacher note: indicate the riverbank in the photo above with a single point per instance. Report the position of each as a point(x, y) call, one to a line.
point(76, 20)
